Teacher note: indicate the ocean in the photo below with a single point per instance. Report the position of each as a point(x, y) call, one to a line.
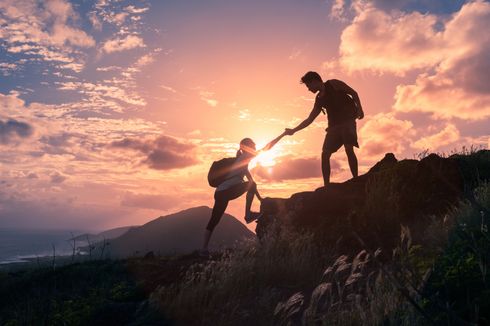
point(16, 245)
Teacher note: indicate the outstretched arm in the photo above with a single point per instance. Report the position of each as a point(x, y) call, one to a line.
point(340, 85)
point(313, 114)
point(273, 142)
point(250, 179)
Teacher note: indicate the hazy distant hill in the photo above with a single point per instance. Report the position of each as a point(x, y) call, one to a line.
point(107, 234)
point(181, 232)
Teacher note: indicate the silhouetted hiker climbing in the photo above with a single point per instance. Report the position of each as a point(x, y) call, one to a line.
point(227, 176)
point(343, 107)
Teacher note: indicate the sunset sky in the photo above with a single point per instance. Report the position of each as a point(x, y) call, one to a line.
point(112, 111)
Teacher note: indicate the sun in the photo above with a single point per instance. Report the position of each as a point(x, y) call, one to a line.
point(266, 159)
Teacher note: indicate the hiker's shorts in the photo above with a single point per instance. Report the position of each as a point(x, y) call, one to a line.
point(342, 134)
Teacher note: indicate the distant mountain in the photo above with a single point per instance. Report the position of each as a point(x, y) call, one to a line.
point(178, 233)
point(107, 234)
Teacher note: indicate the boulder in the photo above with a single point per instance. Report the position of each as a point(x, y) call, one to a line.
point(374, 205)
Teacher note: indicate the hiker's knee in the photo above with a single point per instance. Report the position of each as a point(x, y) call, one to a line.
point(212, 224)
point(349, 150)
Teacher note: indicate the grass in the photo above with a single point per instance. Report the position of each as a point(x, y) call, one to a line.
point(436, 274)
point(459, 287)
point(77, 294)
point(244, 285)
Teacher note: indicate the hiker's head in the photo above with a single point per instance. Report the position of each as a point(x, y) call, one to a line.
point(247, 147)
point(313, 81)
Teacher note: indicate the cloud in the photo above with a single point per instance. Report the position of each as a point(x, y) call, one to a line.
point(95, 21)
point(244, 114)
point(10, 103)
point(121, 44)
point(460, 86)
point(394, 42)
point(449, 135)
point(159, 202)
point(62, 143)
point(453, 54)
point(384, 133)
point(44, 29)
point(6, 68)
point(11, 130)
point(162, 153)
point(32, 175)
point(134, 10)
point(105, 95)
point(57, 178)
point(337, 9)
point(145, 60)
point(207, 97)
point(290, 168)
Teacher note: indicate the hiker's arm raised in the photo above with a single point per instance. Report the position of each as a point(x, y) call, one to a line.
point(250, 179)
point(273, 142)
point(313, 114)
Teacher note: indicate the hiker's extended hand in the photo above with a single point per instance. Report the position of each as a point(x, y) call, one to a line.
point(289, 132)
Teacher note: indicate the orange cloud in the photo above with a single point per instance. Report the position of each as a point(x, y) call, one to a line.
point(290, 168)
point(45, 29)
point(460, 87)
point(394, 42)
point(449, 135)
point(13, 129)
point(384, 133)
point(150, 201)
point(454, 54)
point(162, 153)
point(121, 44)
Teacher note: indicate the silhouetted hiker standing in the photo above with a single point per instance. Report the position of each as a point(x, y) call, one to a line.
point(343, 107)
point(233, 186)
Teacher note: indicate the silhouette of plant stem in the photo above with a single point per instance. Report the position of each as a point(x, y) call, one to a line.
point(54, 256)
point(406, 293)
point(104, 244)
point(74, 246)
point(90, 247)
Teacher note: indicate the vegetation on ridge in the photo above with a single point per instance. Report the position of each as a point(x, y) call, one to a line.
point(437, 276)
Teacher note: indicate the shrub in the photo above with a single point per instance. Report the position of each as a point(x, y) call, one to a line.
point(244, 284)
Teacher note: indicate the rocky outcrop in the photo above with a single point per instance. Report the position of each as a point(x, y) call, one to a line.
point(374, 205)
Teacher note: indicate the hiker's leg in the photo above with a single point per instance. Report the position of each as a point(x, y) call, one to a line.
point(207, 237)
point(259, 197)
point(326, 166)
point(219, 208)
point(351, 157)
point(252, 190)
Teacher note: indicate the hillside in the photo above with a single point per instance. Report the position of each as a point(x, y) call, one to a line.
point(178, 233)
point(107, 234)
point(404, 244)
point(375, 206)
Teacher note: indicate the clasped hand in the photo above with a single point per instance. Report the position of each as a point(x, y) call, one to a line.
point(288, 131)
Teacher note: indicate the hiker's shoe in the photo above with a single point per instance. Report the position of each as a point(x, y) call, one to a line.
point(252, 216)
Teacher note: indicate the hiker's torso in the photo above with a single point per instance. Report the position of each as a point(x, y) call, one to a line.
point(238, 171)
point(340, 106)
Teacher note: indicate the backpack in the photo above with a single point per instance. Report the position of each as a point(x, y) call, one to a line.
point(219, 170)
point(341, 100)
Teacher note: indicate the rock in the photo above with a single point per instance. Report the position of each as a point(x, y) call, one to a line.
point(374, 205)
point(387, 162)
point(290, 312)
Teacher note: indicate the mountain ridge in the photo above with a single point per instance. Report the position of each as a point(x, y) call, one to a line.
point(178, 233)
